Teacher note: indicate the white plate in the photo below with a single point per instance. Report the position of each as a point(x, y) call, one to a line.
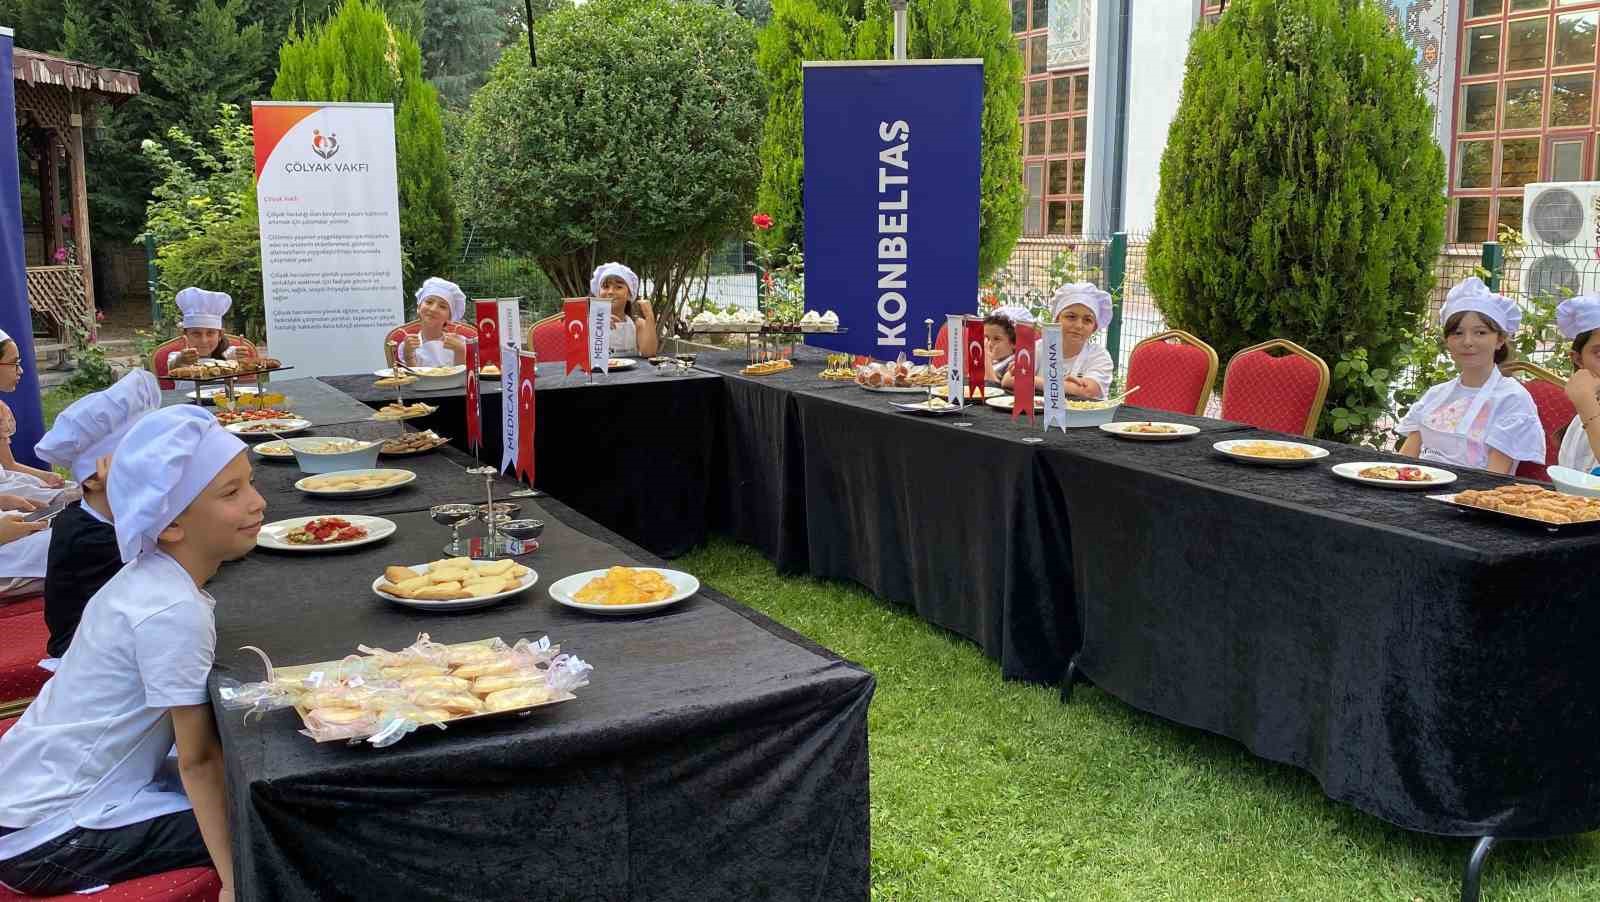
point(1006, 402)
point(896, 389)
point(921, 409)
point(211, 391)
point(455, 604)
point(563, 589)
point(1352, 472)
point(272, 534)
point(989, 391)
point(284, 427)
point(1575, 482)
point(304, 485)
point(274, 450)
point(395, 418)
point(445, 372)
point(1120, 431)
point(620, 363)
point(1226, 449)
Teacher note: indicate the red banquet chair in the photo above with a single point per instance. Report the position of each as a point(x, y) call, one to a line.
point(1283, 394)
point(1174, 371)
point(1549, 393)
point(548, 338)
point(22, 644)
point(158, 357)
point(466, 330)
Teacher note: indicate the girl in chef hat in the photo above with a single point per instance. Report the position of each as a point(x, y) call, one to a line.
point(1082, 310)
point(633, 323)
point(1579, 320)
point(19, 478)
point(439, 303)
point(1000, 341)
point(202, 328)
point(1480, 418)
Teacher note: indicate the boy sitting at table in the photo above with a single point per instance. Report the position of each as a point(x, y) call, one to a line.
point(1000, 343)
point(89, 797)
point(83, 552)
point(1082, 310)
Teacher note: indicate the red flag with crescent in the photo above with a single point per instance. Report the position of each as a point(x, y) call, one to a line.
point(575, 315)
point(526, 364)
point(488, 314)
point(972, 335)
point(1022, 370)
point(474, 408)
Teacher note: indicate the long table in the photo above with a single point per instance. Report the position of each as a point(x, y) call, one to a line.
point(716, 754)
point(308, 398)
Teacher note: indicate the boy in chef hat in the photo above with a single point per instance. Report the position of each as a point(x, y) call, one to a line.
point(17, 478)
point(633, 322)
point(1480, 418)
point(202, 328)
point(1082, 310)
point(83, 552)
point(89, 792)
point(439, 303)
point(1579, 320)
point(1000, 341)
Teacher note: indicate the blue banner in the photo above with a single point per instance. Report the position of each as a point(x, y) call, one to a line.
point(891, 195)
point(15, 317)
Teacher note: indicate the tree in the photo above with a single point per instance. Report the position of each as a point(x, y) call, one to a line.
point(1302, 194)
point(645, 153)
point(460, 41)
point(803, 30)
point(357, 55)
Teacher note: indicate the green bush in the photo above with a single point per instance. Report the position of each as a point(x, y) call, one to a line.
point(1302, 193)
point(643, 152)
point(357, 55)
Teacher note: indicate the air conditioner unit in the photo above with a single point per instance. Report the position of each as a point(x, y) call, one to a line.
point(1561, 223)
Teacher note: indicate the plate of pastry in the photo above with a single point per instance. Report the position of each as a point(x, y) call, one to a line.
point(324, 532)
point(1269, 453)
point(206, 393)
point(413, 443)
point(356, 483)
point(453, 584)
point(1136, 431)
point(623, 590)
point(268, 428)
point(398, 411)
point(620, 363)
point(1393, 476)
point(1529, 505)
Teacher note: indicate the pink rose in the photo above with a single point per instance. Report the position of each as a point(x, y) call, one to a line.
point(761, 221)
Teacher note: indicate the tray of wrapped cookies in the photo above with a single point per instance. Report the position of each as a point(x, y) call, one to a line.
point(453, 584)
point(1529, 505)
point(379, 696)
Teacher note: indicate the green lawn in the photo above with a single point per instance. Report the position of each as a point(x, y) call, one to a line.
point(984, 789)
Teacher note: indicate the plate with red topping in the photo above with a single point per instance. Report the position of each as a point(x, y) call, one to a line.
point(317, 533)
point(1394, 476)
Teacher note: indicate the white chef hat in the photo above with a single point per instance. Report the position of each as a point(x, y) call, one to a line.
point(613, 269)
point(1013, 312)
point(1098, 302)
point(164, 462)
point(203, 309)
point(91, 426)
point(1475, 297)
point(1575, 316)
point(435, 287)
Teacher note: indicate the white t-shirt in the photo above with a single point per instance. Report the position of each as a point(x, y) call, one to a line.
point(1091, 363)
point(429, 353)
point(624, 337)
point(1506, 420)
point(91, 751)
point(26, 557)
point(1575, 450)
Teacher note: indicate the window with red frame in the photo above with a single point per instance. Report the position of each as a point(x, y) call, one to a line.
point(1055, 120)
point(1524, 107)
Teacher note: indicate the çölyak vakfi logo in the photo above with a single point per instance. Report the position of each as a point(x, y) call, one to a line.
point(324, 146)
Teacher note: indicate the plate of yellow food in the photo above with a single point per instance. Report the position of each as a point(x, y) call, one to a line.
point(1146, 431)
point(767, 368)
point(453, 584)
point(623, 590)
point(1270, 453)
point(356, 483)
point(398, 411)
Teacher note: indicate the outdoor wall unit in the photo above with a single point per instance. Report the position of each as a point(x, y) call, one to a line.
point(1561, 222)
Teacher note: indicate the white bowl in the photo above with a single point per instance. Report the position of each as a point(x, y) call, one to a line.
point(1575, 482)
point(315, 462)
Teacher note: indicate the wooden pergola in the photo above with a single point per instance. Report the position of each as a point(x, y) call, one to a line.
point(55, 102)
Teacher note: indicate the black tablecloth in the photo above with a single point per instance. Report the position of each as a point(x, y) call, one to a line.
point(634, 451)
point(1429, 666)
point(716, 755)
point(310, 399)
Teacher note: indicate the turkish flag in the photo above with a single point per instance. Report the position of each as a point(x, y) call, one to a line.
point(972, 333)
point(526, 364)
point(575, 315)
point(1022, 373)
point(488, 313)
point(474, 410)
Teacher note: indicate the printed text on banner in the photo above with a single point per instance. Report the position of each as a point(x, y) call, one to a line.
point(509, 326)
point(1055, 401)
point(599, 335)
point(954, 373)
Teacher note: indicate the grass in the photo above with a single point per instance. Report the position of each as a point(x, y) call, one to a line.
point(989, 790)
point(55, 400)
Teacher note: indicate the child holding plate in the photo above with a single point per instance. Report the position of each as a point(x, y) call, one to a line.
point(633, 323)
point(1579, 320)
point(439, 303)
point(1480, 418)
point(1082, 310)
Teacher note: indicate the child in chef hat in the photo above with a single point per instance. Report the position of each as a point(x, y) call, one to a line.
point(1081, 309)
point(439, 303)
point(1579, 320)
point(1480, 418)
point(18, 478)
point(88, 790)
point(1000, 342)
point(633, 322)
point(202, 328)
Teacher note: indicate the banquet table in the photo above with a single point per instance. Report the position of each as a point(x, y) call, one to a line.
point(715, 754)
point(634, 450)
point(309, 399)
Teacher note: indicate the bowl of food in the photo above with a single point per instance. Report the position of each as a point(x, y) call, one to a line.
point(331, 455)
point(1081, 413)
point(1575, 482)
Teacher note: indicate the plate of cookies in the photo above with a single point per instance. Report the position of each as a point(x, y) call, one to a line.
point(1529, 504)
point(356, 483)
point(453, 584)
